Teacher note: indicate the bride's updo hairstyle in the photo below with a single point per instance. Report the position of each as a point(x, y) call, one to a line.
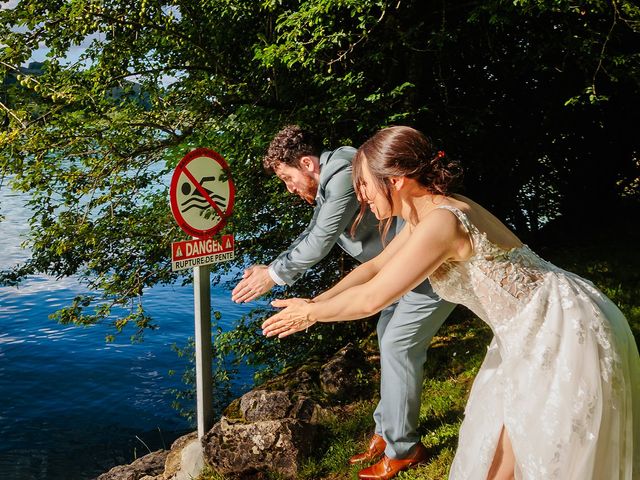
point(402, 152)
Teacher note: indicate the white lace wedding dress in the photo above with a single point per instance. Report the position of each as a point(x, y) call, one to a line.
point(562, 373)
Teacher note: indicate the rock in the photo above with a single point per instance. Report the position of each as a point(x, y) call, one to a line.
point(258, 405)
point(275, 433)
point(305, 410)
point(241, 449)
point(337, 376)
point(185, 459)
point(151, 465)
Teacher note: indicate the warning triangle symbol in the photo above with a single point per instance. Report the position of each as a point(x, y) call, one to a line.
point(228, 244)
point(179, 252)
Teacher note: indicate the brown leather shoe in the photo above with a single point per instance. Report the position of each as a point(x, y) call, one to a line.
point(389, 467)
point(376, 448)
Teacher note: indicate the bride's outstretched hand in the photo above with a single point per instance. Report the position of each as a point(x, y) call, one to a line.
point(293, 318)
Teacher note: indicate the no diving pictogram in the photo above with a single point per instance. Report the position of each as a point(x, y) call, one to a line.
point(202, 193)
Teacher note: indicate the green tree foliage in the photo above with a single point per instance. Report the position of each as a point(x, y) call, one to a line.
point(539, 98)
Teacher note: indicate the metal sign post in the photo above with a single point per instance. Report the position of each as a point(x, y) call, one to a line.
point(202, 195)
point(202, 314)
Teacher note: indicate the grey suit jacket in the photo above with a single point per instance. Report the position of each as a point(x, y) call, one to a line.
point(335, 211)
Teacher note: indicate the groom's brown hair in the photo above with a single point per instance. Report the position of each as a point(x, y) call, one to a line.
point(289, 145)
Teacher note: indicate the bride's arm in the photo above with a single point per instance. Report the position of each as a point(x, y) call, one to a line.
point(365, 272)
point(435, 239)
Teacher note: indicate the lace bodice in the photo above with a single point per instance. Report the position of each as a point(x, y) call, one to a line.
point(495, 283)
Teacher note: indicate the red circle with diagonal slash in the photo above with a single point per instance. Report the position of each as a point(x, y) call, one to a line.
point(189, 175)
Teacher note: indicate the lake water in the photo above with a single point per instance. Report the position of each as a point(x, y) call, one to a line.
point(71, 405)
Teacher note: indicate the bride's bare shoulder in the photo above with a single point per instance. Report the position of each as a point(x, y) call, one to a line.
point(443, 228)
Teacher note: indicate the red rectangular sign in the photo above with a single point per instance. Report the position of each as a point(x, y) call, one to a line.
point(201, 251)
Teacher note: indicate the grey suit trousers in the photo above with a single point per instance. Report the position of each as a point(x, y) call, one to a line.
point(405, 330)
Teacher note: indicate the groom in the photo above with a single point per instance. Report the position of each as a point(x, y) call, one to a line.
point(404, 329)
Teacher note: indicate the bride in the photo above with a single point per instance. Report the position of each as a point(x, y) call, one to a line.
point(556, 395)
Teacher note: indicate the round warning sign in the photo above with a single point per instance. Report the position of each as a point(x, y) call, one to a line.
point(202, 193)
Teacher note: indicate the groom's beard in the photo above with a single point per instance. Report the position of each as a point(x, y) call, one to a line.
point(309, 190)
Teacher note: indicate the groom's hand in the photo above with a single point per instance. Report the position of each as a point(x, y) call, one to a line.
point(255, 282)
